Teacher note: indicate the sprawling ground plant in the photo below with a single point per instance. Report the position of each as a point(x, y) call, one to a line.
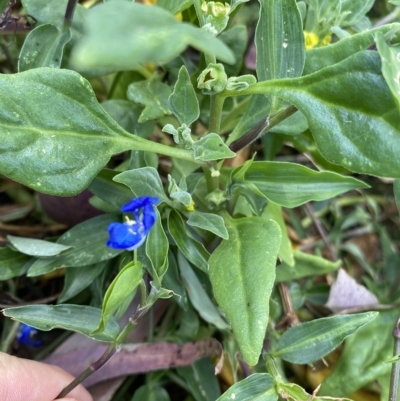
point(189, 213)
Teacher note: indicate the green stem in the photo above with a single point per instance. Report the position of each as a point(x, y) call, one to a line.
point(395, 375)
point(5, 345)
point(69, 14)
point(271, 368)
point(216, 105)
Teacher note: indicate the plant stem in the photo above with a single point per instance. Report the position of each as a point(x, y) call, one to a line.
point(395, 375)
point(263, 126)
point(69, 13)
point(216, 105)
point(5, 345)
point(271, 368)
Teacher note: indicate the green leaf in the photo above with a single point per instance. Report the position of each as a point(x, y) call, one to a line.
point(104, 187)
point(210, 222)
point(183, 101)
point(77, 279)
point(157, 248)
point(242, 273)
point(211, 147)
point(305, 265)
point(43, 47)
point(395, 2)
point(139, 34)
point(174, 6)
point(59, 151)
point(198, 296)
point(153, 95)
point(127, 114)
point(172, 281)
point(291, 185)
point(293, 392)
point(390, 66)
point(396, 190)
point(274, 212)
point(88, 240)
point(363, 132)
point(310, 341)
point(53, 11)
point(279, 40)
point(193, 250)
point(356, 9)
point(363, 358)
point(78, 318)
point(122, 287)
point(201, 379)
point(12, 264)
point(37, 247)
point(150, 392)
point(326, 56)
point(258, 386)
point(143, 182)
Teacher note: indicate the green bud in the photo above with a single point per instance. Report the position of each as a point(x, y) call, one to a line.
point(216, 9)
point(240, 83)
point(216, 198)
point(179, 193)
point(213, 79)
point(182, 135)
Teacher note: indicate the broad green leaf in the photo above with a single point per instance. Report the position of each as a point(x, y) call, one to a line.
point(310, 341)
point(291, 185)
point(198, 296)
point(37, 247)
point(143, 182)
point(139, 34)
point(258, 386)
point(279, 40)
point(43, 47)
point(59, 151)
point(157, 248)
point(305, 265)
point(274, 212)
point(127, 114)
point(78, 318)
point(174, 6)
point(242, 273)
point(122, 287)
point(210, 222)
point(363, 358)
point(356, 9)
point(104, 187)
point(183, 101)
point(153, 95)
point(53, 11)
point(396, 190)
point(150, 392)
point(390, 57)
point(77, 279)
point(211, 147)
point(254, 198)
point(325, 56)
point(88, 240)
point(193, 250)
point(363, 131)
point(201, 380)
point(12, 264)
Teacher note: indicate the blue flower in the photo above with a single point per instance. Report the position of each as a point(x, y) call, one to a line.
point(131, 234)
point(26, 335)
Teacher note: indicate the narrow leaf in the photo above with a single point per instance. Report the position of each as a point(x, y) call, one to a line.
point(78, 318)
point(242, 273)
point(310, 341)
point(210, 222)
point(12, 264)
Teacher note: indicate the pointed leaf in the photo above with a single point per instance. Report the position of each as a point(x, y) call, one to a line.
point(310, 341)
point(183, 101)
point(258, 386)
point(12, 264)
point(242, 273)
point(210, 222)
point(211, 147)
point(291, 185)
point(78, 318)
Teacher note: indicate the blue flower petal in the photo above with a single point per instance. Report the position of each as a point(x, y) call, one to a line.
point(26, 334)
point(149, 218)
point(138, 203)
point(125, 236)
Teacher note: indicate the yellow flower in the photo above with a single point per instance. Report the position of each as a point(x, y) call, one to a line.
point(311, 40)
point(326, 40)
point(190, 208)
